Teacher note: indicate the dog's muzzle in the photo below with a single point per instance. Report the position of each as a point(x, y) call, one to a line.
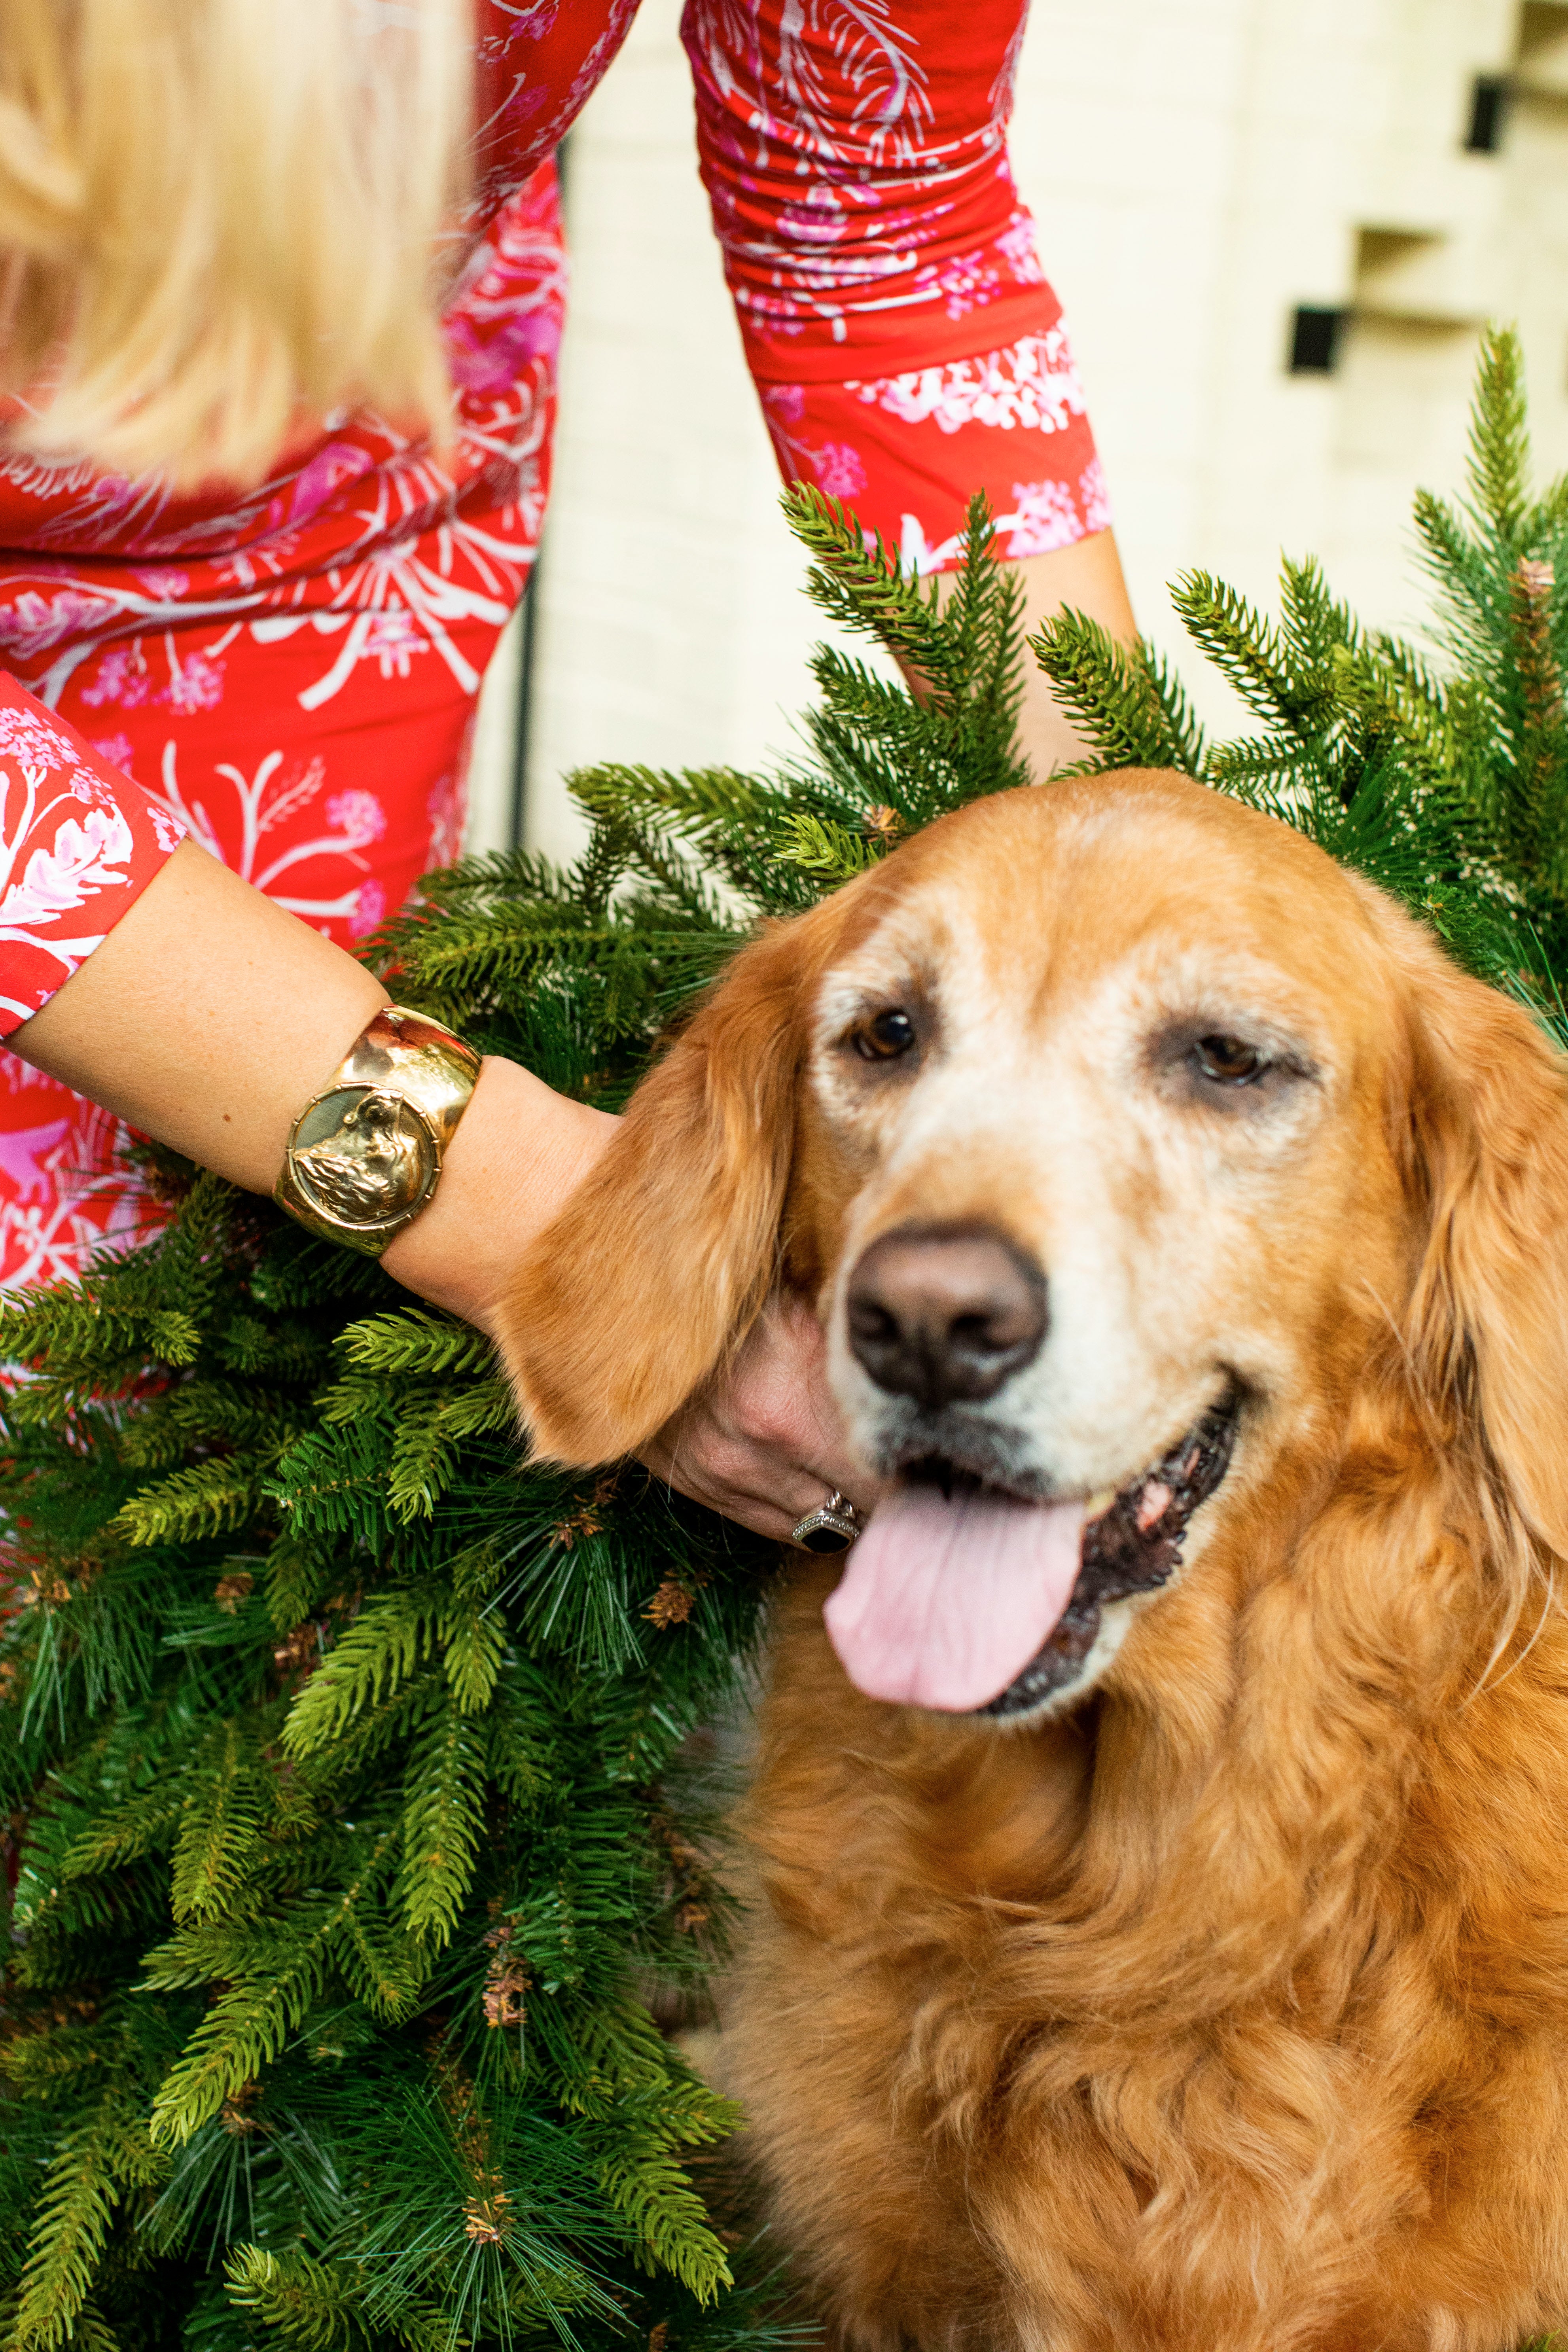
point(1135, 1546)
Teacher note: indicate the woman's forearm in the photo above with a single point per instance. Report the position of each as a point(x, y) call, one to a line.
point(208, 1018)
point(519, 1150)
point(1086, 576)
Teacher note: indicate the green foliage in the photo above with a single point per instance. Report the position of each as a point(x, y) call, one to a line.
point(81, 2189)
point(356, 1787)
point(223, 1822)
point(1444, 779)
point(311, 2303)
point(709, 851)
point(443, 1819)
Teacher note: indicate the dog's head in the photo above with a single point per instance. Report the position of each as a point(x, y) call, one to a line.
point(1122, 1139)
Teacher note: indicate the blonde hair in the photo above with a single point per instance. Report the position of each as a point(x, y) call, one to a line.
point(222, 219)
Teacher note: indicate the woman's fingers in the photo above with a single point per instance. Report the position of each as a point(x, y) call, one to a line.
point(686, 1459)
point(762, 1442)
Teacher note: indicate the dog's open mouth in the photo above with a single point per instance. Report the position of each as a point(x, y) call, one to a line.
point(970, 1600)
point(1133, 1547)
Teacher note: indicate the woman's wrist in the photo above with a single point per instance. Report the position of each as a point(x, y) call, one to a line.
point(518, 1152)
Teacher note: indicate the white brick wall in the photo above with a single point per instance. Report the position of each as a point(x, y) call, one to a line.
point(1197, 168)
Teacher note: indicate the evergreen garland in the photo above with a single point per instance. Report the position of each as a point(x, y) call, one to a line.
point(1445, 780)
point(359, 1800)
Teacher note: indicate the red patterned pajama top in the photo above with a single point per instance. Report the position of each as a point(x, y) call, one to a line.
point(289, 674)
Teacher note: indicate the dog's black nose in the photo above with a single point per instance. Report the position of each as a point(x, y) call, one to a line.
point(942, 1312)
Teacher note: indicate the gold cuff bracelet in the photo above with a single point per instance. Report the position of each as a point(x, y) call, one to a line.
point(364, 1154)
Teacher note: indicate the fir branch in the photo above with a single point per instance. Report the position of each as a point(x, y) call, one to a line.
point(387, 1971)
point(221, 1828)
point(1471, 586)
point(421, 1427)
point(720, 816)
point(100, 2156)
point(866, 589)
point(246, 1344)
point(423, 1463)
point(334, 1483)
point(211, 1498)
point(517, 1759)
point(416, 1341)
point(198, 1414)
point(443, 1817)
point(1244, 647)
point(91, 2332)
point(476, 1639)
point(962, 650)
point(826, 850)
point(645, 2185)
point(484, 1408)
point(1316, 629)
point(145, 1822)
point(342, 1762)
point(296, 1575)
point(371, 1658)
point(240, 2033)
point(36, 2065)
point(1500, 439)
point(487, 879)
point(273, 1977)
point(79, 1325)
point(1543, 753)
point(626, 2068)
point(1126, 700)
point(314, 2304)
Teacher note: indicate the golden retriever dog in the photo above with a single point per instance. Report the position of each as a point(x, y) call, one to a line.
point(1162, 1813)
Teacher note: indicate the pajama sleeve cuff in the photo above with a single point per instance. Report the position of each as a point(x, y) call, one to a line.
point(79, 843)
point(906, 452)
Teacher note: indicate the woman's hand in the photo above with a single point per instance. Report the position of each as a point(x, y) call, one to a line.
point(762, 1443)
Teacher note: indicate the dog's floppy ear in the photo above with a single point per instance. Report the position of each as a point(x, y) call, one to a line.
point(661, 1260)
point(1486, 1140)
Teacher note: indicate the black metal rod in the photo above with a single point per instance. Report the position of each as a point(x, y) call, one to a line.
point(528, 647)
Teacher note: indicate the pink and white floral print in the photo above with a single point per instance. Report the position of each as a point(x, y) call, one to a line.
point(336, 818)
point(77, 845)
point(63, 1195)
point(1045, 516)
point(1031, 385)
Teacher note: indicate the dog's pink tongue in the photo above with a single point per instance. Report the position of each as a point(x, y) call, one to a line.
point(943, 1603)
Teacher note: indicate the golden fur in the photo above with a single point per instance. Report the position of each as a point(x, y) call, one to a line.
point(1227, 2009)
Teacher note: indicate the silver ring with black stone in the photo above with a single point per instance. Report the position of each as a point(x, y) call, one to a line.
point(832, 1526)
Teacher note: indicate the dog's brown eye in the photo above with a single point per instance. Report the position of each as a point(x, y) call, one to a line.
point(885, 1036)
point(1228, 1062)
